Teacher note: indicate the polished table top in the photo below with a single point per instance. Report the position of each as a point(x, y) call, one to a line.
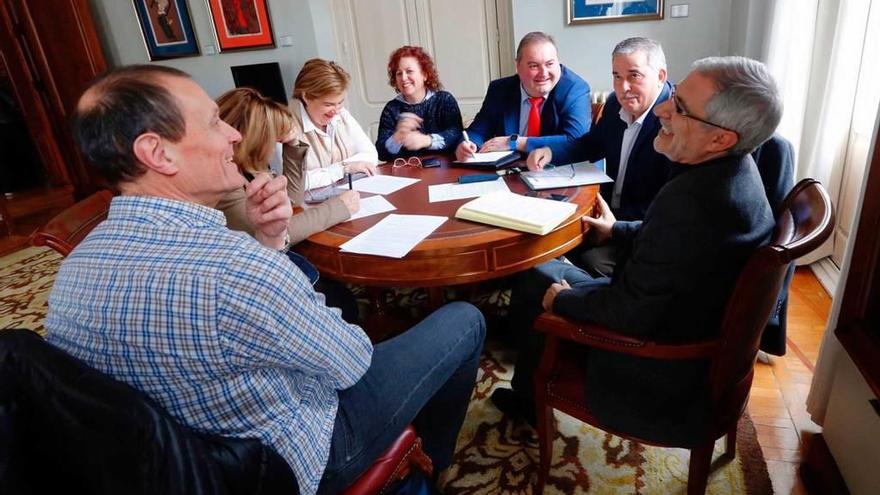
point(459, 251)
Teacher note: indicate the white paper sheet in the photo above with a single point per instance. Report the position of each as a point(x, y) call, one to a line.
point(381, 184)
point(487, 157)
point(372, 206)
point(394, 236)
point(454, 190)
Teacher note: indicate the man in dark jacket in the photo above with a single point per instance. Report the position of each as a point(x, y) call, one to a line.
point(684, 257)
point(624, 137)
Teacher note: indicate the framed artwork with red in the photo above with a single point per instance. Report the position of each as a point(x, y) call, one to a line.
point(241, 24)
point(166, 28)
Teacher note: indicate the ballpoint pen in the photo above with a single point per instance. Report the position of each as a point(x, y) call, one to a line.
point(467, 140)
point(349, 182)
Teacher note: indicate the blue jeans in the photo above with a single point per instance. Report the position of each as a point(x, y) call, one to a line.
point(526, 304)
point(424, 376)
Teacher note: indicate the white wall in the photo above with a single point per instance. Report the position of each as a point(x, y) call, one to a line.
point(586, 48)
point(120, 32)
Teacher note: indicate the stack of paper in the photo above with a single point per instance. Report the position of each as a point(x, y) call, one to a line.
point(578, 174)
point(513, 211)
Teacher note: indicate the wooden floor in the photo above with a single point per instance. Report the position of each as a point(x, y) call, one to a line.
point(778, 401)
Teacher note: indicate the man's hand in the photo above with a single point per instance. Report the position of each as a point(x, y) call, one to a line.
point(604, 221)
point(551, 294)
point(268, 209)
point(365, 167)
point(538, 158)
point(498, 143)
point(465, 150)
point(351, 200)
point(416, 140)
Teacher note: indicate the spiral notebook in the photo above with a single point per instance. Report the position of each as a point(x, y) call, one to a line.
point(576, 174)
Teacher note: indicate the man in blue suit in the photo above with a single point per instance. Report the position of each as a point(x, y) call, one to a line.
point(544, 104)
point(624, 137)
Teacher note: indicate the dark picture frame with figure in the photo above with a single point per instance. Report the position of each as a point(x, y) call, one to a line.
point(167, 28)
point(241, 24)
point(593, 11)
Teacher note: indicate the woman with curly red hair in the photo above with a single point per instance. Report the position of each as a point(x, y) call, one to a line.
point(422, 117)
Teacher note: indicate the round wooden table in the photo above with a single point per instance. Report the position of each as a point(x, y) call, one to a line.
point(459, 251)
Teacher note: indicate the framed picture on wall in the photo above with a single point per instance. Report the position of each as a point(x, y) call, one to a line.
point(241, 24)
point(590, 11)
point(166, 28)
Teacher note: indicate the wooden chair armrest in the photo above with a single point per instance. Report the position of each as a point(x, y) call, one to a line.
point(600, 337)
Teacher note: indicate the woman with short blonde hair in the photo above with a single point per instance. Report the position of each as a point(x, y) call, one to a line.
point(327, 141)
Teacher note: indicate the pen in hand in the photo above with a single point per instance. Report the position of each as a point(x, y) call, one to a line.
point(468, 141)
point(350, 188)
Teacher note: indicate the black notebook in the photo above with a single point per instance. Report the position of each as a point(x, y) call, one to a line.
point(492, 160)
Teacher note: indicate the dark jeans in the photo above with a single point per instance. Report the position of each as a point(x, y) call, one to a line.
point(424, 376)
point(525, 306)
point(336, 294)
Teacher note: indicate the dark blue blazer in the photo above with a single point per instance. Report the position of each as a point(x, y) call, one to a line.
point(775, 160)
point(566, 114)
point(646, 170)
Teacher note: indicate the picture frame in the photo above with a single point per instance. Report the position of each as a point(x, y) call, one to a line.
point(241, 24)
point(166, 28)
point(595, 11)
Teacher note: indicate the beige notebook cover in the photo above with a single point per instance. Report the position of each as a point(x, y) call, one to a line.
point(517, 212)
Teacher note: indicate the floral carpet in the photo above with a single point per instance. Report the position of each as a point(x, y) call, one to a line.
point(495, 455)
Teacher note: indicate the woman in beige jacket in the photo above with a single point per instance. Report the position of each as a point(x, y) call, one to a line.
point(327, 142)
point(262, 123)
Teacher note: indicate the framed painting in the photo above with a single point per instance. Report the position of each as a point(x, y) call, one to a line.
point(241, 24)
point(591, 11)
point(166, 28)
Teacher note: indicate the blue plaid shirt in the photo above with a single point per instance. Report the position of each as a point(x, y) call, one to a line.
point(227, 335)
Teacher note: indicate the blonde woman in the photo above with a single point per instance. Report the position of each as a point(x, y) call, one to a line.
point(262, 123)
point(327, 141)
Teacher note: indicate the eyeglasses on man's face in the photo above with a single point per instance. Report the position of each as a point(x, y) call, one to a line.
point(412, 161)
point(684, 113)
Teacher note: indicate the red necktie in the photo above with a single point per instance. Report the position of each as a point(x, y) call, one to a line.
point(534, 126)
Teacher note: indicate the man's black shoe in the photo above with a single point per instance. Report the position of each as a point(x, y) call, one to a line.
point(514, 406)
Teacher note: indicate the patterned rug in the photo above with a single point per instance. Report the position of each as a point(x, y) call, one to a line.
point(494, 454)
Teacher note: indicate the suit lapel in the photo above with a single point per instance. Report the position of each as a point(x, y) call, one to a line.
point(650, 124)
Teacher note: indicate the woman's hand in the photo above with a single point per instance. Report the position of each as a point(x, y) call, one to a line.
point(365, 167)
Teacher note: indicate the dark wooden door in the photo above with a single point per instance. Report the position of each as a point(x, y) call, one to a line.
point(51, 51)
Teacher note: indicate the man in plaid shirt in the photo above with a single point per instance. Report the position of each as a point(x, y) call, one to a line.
point(222, 329)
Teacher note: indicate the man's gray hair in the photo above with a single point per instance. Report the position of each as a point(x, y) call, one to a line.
point(534, 37)
point(747, 100)
point(651, 48)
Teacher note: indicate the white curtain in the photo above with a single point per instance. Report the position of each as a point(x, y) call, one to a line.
point(824, 55)
point(815, 51)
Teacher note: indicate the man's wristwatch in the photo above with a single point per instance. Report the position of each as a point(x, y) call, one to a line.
point(513, 139)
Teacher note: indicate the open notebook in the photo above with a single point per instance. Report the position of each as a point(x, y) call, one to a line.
point(517, 212)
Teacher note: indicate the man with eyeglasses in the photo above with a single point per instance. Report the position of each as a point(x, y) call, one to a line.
point(624, 137)
point(683, 258)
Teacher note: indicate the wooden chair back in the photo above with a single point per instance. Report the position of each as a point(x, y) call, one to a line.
point(69, 227)
point(597, 109)
point(805, 221)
